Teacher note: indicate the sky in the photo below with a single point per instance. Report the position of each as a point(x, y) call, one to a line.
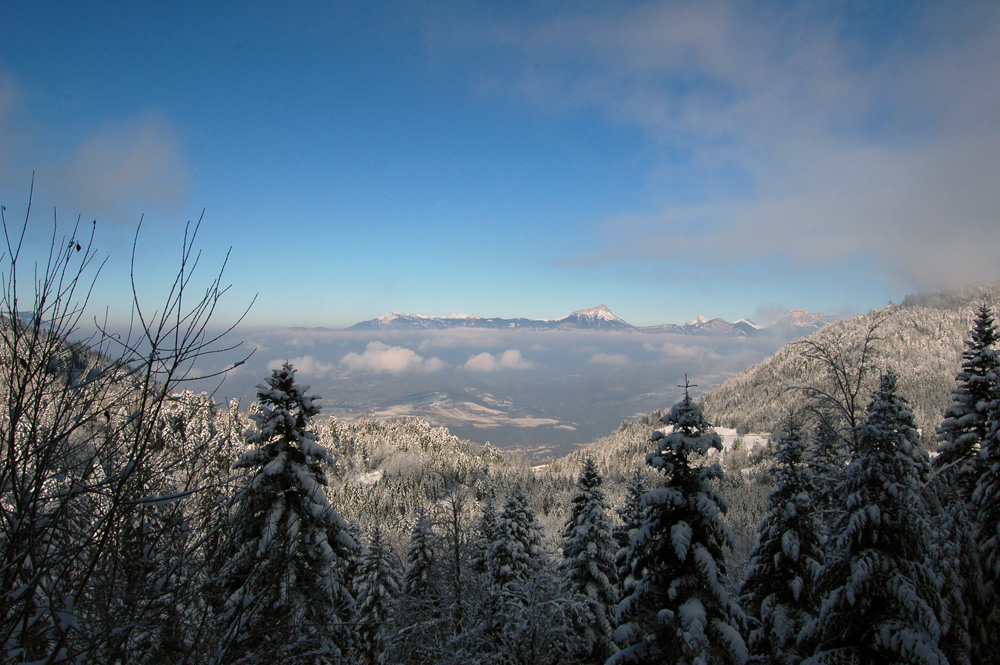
point(668, 159)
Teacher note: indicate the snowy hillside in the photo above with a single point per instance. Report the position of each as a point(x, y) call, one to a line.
point(921, 339)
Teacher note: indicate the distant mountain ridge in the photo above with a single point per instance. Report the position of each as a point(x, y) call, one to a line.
point(796, 322)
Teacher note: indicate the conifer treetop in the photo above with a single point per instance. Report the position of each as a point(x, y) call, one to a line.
point(690, 433)
point(284, 411)
point(965, 424)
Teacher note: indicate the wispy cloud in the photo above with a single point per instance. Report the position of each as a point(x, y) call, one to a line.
point(785, 133)
point(130, 164)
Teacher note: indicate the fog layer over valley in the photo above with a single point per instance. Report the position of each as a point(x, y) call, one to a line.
point(539, 392)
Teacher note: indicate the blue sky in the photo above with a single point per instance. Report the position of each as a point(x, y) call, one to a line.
point(669, 159)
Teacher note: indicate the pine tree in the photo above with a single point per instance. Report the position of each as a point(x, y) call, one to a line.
point(778, 591)
point(955, 557)
point(420, 625)
point(826, 456)
point(880, 599)
point(986, 504)
point(375, 589)
point(965, 421)
point(485, 536)
point(589, 558)
point(418, 580)
point(283, 580)
point(680, 611)
point(517, 549)
point(631, 514)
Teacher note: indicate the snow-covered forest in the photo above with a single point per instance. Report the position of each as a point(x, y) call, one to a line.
point(144, 523)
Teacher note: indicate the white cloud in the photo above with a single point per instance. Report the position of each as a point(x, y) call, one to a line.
point(681, 350)
point(488, 362)
point(380, 357)
point(612, 359)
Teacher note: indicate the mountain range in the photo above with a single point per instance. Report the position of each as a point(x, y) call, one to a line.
point(797, 322)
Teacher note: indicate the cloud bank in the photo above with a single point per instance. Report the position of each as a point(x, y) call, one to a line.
point(510, 359)
point(380, 357)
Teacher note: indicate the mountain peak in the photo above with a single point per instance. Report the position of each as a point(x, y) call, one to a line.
point(599, 312)
point(595, 317)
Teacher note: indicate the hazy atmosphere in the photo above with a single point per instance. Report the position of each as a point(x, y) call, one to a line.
point(543, 393)
point(669, 159)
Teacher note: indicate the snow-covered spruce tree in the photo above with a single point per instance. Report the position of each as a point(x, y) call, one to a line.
point(778, 593)
point(680, 611)
point(965, 421)
point(826, 456)
point(283, 577)
point(525, 613)
point(960, 464)
point(420, 625)
point(880, 598)
point(986, 504)
point(485, 536)
point(589, 559)
point(517, 548)
point(955, 558)
point(631, 514)
point(375, 589)
point(418, 581)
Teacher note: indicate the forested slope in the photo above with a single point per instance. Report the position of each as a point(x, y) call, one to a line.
point(921, 339)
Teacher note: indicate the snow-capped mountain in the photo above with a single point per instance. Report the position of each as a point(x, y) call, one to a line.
point(401, 321)
point(796, 322)
point(596, 318)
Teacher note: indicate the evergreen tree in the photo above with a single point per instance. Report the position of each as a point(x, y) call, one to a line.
point(778, 591)
point(421, 624)
point(375, 588)
point(826, 456)
point(955, 557)
point(283, 580)
point(589, 558)
point(418, 580)
point(631, 514)
point(680, 610)
point(986, 504)
point(965, 421)
point(517, 550)
point(880, 599)
point(485, 536)
point(960, 462)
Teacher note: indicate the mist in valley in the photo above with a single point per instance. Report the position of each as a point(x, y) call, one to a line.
point(538, 392)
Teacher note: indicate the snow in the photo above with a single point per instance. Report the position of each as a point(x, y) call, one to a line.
point(601, 312)
point(680, 536)
point(371, 477)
